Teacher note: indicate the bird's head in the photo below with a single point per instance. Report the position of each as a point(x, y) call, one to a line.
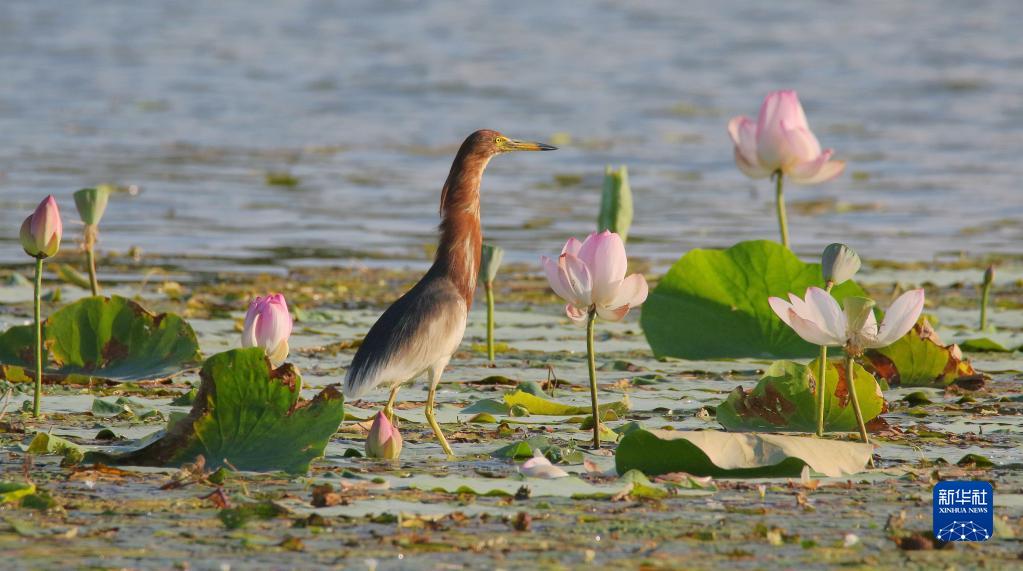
point(489, 143)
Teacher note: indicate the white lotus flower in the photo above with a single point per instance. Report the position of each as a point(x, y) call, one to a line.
point(819, 319)
point(540, 467)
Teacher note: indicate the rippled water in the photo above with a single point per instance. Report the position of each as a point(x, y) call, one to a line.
point(365, 103)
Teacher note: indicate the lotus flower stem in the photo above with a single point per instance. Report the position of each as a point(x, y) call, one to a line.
point(822, 371)
point(488, 287)
point(90, 257)
point(39, 337)
point(780, 205)
point(822, 383)
point(590, 357)
point(849, 379)
point(985, 294)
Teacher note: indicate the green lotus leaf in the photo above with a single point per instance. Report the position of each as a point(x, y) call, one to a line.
point(919, 359)
point(105, 339)
point(14, 491)
point(712, 304)
point(983, 345)
point(246, 416)
point(785, 399)
point(737, 455)
point(546, 407)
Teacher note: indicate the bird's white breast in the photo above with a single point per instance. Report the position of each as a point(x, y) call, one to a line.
point(437, 339)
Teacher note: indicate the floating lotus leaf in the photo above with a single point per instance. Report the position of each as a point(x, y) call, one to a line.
point(713, 303)
point(102, 338)
point(737, 455)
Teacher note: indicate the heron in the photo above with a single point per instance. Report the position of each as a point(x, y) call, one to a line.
point(420, 331)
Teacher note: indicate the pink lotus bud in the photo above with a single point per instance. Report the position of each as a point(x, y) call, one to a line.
point(41, 231)
point(268, 325)
point(384, 440)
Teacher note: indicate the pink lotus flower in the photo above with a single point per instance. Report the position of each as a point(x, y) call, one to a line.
point(41, 231)
point(819, 319)
point(590, 276)
point(384, 440)
point(268, 325)
point(781, 141)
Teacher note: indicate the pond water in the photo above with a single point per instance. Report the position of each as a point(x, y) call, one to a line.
point(365, 102)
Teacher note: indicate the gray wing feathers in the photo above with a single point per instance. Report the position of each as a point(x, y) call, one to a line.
point(409, 337)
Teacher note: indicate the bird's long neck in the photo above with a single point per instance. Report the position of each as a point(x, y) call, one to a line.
point(458, 254)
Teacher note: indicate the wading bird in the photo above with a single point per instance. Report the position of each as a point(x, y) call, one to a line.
point(419, 332)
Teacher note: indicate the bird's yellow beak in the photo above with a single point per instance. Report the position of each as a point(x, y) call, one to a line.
point(506, 145)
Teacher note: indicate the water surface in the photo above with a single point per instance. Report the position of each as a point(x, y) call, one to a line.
point(365, 102)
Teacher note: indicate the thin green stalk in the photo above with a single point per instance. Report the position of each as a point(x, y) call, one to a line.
point(90, 256)
point(822, 372)
point(852, 396)
point(591, 356)
point(488, 287)
point(39, 337)
point(985, 294)
point(780, 204)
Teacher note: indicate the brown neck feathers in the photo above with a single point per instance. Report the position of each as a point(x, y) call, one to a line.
point(458, 254)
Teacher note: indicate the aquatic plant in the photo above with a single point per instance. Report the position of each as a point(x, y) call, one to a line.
point(780, 144)
point(490, 262)
point(102, 340)
point(985, 294)
point(839, 263)
point(384, 439)
point(726, 292)
point(268, 326)
point(590, 276)
point(40, 237)
point(820, 320)
point(91, 204)
point(616, 203)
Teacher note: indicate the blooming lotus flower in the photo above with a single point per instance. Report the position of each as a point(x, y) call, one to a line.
point(384, 440)
point(41, 231)
point(819, 319)
point(780, 141)
point(590, 276)
point(268, 325)
point(540, 467)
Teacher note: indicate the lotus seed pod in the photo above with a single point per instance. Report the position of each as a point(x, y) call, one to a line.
point(91, 203)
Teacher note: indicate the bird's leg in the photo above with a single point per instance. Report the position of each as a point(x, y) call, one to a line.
point(389, 407)
point(434, 381)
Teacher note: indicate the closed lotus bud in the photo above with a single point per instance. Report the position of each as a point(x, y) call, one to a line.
point(41, 231)
point(384, 440)
point(989, 275)
point(268, 325)
point(91, 203)
point(490, 262)
point(839, 263)
point(616, 203)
